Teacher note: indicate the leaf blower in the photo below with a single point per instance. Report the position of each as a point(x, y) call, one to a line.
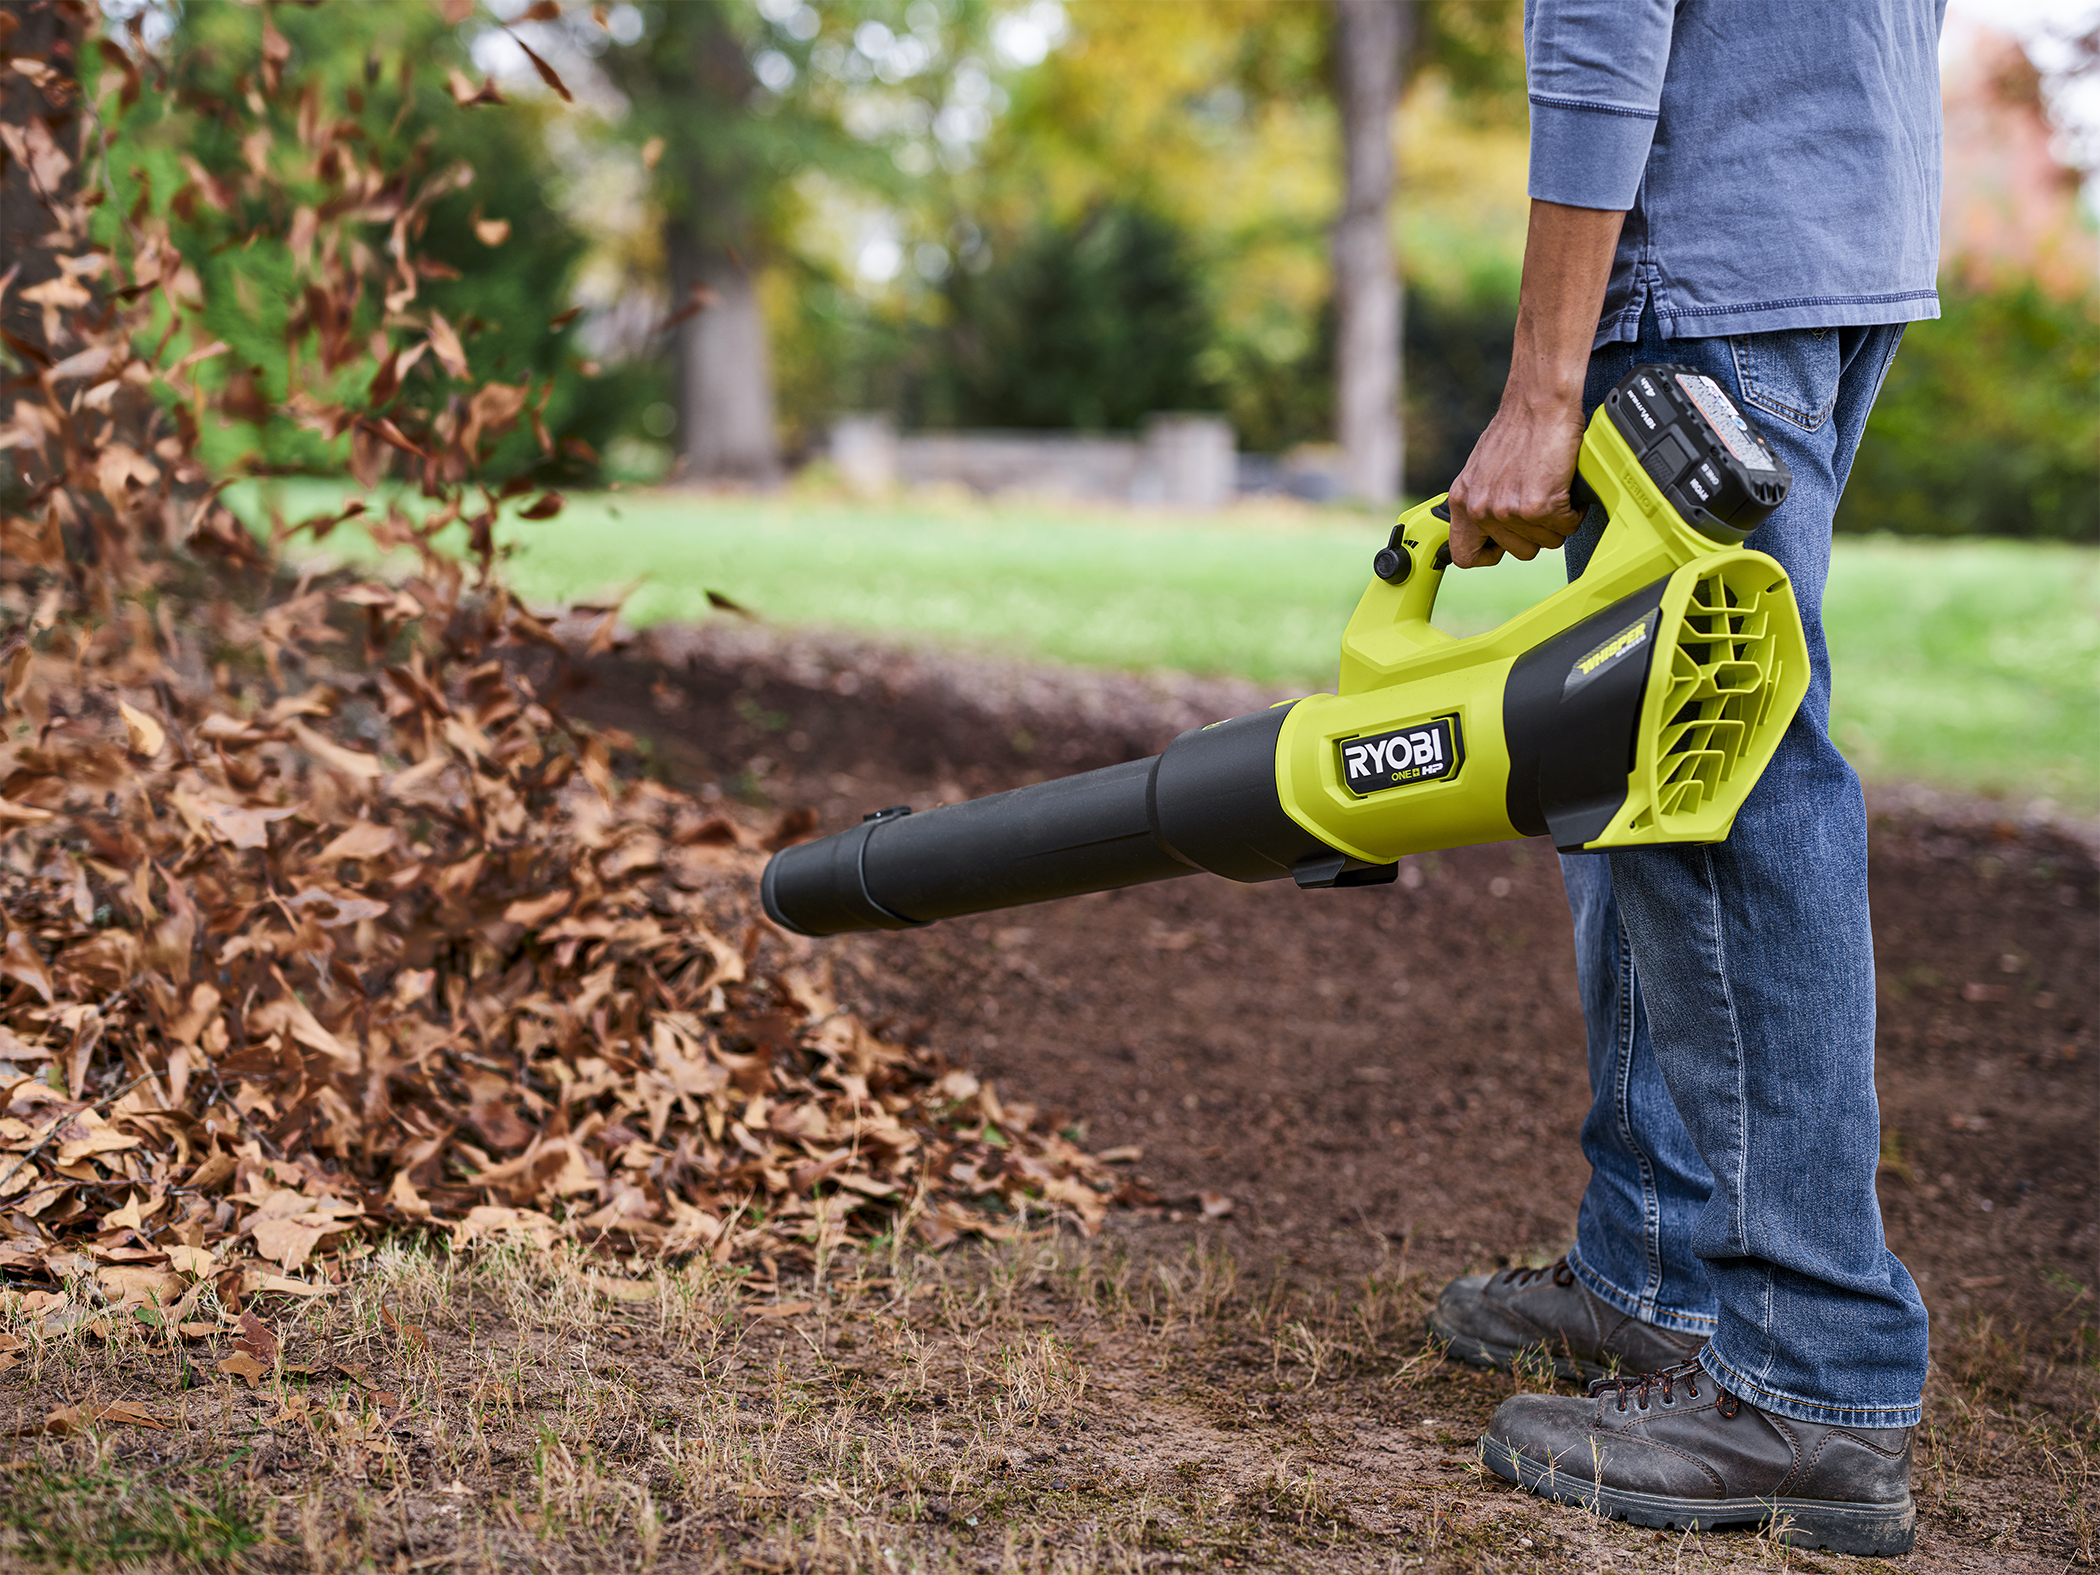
point(1635, 706)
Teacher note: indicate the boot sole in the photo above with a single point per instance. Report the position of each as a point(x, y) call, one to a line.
point(1864, 1530)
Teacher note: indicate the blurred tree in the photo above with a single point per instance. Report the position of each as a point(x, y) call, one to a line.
point(690, 82)
point(1371, 39)
point(1212, 118)
point(731, 100)
point(1216, 117)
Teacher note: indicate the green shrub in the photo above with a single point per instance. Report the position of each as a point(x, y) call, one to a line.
point(1091, 326)
point(1989, 423)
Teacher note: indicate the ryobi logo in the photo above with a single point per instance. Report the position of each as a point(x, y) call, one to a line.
point(1425, 752)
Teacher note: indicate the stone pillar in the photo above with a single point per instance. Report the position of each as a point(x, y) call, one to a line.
point(1189, 462)
point(864, 452)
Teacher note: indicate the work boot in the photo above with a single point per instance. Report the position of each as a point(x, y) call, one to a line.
point(1673, 1449)
point(1490, 1320)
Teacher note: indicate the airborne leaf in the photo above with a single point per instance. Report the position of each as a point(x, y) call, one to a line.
point(547, 74)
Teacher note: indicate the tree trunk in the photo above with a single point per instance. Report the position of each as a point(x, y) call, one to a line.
point(725, 372)
point(1370, 45)
point(711, 240)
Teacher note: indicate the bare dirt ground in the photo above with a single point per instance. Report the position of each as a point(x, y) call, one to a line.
point(1338, 1099)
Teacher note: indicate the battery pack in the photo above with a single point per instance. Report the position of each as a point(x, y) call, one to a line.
point(1699, 449)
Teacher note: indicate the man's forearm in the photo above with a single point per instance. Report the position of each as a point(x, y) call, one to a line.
point(1567, 263)
point(1513, 493)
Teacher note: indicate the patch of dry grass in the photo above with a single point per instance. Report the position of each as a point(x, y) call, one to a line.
point(1044, 1405)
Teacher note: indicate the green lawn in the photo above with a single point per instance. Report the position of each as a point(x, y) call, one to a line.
point(1969, 664)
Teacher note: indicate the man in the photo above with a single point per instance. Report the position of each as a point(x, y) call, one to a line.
point(1749, 187)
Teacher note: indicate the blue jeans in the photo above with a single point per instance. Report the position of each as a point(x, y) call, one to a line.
point(1728, 993)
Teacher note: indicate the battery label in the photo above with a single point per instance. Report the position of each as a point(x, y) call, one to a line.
point(1728, 424)
point(1426, 752)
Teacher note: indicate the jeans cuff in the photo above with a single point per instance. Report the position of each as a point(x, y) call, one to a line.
point(1670, 1318)
point(1779, 1403)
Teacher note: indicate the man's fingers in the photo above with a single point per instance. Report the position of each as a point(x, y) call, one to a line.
point(1471, 547)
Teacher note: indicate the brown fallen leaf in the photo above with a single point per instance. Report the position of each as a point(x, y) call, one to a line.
point(256, 1338)
point(146, 737)
point(19, 961)
point(69, 1419)
point(412, 1333)
point(620, 1290)
point(284, 1286)
point(538, 910)
point(781, 1309)
point(364, 840)
point(351, 761)
point(130, 1285)
point(237, 825)
point(197, 1262)
point(243, 1365)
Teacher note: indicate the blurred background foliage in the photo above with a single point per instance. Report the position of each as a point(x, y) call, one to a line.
point(976, 213)
point(1989, 423)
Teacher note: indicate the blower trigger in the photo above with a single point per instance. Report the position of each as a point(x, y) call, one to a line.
point(1322, 871)
point(1442, 560)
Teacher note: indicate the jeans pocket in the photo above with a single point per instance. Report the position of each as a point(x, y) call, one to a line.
point(1793, 374)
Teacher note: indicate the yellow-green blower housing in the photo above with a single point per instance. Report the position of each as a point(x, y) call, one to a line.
point(1637, 705)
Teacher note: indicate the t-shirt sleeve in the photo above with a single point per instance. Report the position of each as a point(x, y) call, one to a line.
point(1594, 73)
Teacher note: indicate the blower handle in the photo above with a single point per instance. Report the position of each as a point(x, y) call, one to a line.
point(1582, 497)
point(1425, 543)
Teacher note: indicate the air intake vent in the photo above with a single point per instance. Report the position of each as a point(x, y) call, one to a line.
point(1729, 673)
point(1726, 669)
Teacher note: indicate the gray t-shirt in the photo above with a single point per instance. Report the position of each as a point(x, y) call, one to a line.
point(1778, 160)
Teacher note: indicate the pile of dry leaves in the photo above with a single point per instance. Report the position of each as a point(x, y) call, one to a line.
point(320, 914)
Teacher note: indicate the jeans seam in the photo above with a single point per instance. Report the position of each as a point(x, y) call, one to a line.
point(1737, 1224)
point(1651, 1194)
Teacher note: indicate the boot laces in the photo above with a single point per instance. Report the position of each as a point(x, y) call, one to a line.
point(1638, 1387)
point(1563, 1276)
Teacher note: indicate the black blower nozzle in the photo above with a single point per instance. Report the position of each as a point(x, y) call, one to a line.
point(1208, 803)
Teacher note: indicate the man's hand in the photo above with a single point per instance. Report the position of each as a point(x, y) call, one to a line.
point(1513, 494)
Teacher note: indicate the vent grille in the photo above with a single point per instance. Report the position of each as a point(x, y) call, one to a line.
point(1725, 673)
